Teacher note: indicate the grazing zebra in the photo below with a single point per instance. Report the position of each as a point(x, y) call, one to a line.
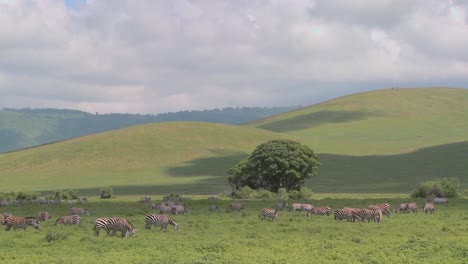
point(235, 207)
point(79, 211)
point(385, 208)
point(267, 212)
point(114, 224)
point(306, 207)
point(68, 220)
point(429, 207)
point(367, 214)
point(319, 211)
point(165, 209)
point(160, 220)
point(438, 200)
point(281, 206)
point(295, 206)
point(403, 207)
point(345, 213)
point(43, 216)
point(20, 222)
point(82, 200)
point(413, 207)
point(213, 208)
point(179, 209)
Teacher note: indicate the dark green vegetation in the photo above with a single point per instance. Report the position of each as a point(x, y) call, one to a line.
point(275, 164)
point(244, 238)
point(20, 128)
point(386, 141)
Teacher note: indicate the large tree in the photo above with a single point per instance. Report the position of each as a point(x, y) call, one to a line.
point(275, 164)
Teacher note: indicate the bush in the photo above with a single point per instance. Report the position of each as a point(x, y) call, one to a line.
point(26, 196)
point(106, 193)
point(282, 194)
point(445, 187)
point(303, 193)
point(8, 196)
point(55, 236)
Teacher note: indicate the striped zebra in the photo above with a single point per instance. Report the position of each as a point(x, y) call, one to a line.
point(160, 220)
point(20, 222)
point(114, 224)
point(165, 209)
point(179, 209)
point(267, 212)
point(319, 211)
point(306, 207)
point(403, 207)
point(295, 206)
point(367, 214)
point(43, 216)
point(68, 220)
point(235, 207)
point(413, 207)
point(79, 211)
point(429, 207)
point(385, 208)
point(345, 213)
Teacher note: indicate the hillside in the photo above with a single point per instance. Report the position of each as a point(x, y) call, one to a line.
point(163, 157)
point(382, 122)
point(21, 128)
point(385, 141)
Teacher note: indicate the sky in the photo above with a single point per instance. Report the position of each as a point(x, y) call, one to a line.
point(149, 57)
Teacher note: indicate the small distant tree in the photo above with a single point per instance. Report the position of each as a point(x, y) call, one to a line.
point(275, 164)
point(445, 187)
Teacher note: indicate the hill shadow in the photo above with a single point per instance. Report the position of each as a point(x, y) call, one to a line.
point(210, 166)
point(391, 173)
point(316, 119)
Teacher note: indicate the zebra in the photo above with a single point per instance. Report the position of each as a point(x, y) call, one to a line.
point(402, 207)
point(79, 211)
point(160, 220)
point(267, 212)
point(68, 219)
point(179, 209)
point(43, 216)
point(82, 200)
point(165, 209)
point(306, 207)
point(367, 214)
point(213, 208)
point(385, 208)
point(295, 206)
point(438, 200)
point(281, 206)
point(145, 199)
point(429, 206)
point(319, 211)
point(413, 207)
point(235, 207)
point(345, 213)
point(20, 222)
point(114, 224)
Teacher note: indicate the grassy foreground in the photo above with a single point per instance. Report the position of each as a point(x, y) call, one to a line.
point(243, 238)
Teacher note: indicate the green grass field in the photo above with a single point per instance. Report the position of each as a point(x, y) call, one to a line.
point(397, 138)
point(243, 237)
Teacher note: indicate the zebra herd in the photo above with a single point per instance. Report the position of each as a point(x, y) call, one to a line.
point(373, 213)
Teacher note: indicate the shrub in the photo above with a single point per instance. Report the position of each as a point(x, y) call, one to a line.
point(106, 193)
point(55, 236)
point(445, 187)
point(26, 196)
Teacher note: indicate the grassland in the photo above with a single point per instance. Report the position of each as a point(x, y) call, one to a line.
point(243, 238)
point(396, 137)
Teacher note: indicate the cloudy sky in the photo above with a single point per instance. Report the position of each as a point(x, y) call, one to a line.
point(154, 56)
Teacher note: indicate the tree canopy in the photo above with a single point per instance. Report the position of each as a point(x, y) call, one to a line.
point(275, 164)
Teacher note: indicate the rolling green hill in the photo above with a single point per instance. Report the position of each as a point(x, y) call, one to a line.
point(163, 157)
point(382, 122)
point(384, 141)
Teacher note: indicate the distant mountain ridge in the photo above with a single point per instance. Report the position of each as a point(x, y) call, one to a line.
point(23, 128)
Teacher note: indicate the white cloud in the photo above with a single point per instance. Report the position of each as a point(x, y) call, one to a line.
point(158, 56)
